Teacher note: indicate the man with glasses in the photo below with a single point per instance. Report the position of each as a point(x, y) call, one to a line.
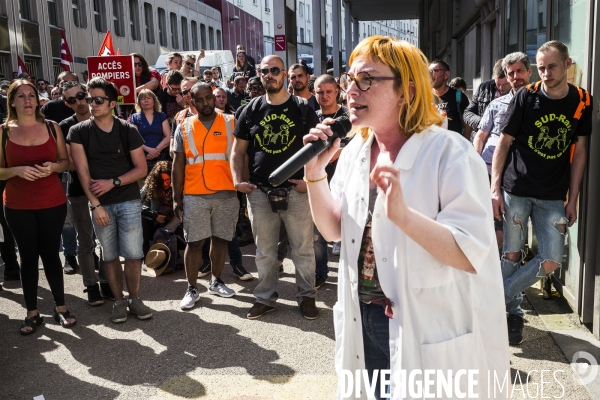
point(237, 96)
point(170, 97)
point(299, 78)
point(270, 130)
point(109, 158)
point(452, 103)
point(42, 86)
point(75, 97)
point(485, 93)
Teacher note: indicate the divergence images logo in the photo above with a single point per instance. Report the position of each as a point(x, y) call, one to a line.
point(584, 373)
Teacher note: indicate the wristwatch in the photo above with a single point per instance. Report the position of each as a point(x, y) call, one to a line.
point(116, 182)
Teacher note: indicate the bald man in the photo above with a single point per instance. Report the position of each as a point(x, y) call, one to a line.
point(270, 130)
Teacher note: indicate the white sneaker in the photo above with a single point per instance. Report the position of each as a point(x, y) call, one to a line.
point(190, 298)
point(218, 287)
point(337, 246)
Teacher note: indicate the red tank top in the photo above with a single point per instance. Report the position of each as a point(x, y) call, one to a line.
point(21, 194)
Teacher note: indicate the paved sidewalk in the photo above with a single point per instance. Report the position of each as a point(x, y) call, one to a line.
point(210, 352)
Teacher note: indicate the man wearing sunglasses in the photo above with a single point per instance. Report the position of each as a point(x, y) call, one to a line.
point(55, 109)
point(42, 86)
point(237, 97)
point(170, 97)
point(109, 158)
point(75, 97)
point(270, 130)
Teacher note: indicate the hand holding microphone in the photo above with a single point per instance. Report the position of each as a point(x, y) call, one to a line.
point(320, 145)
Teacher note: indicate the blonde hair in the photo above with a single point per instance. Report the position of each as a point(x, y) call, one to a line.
point(142, 95)
point(409, 65)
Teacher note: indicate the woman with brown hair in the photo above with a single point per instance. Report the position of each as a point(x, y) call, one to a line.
point(145, 77)
point(173, 62)
point(242, 67)
point(35, 204)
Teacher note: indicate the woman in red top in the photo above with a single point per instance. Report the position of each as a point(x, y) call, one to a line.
point(34, 199)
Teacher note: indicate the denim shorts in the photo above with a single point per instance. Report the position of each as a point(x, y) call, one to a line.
point(123, 236)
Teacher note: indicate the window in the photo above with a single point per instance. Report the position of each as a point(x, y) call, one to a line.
point(267, 31)
point(301, 9)
point(31, 39)
point(202, 36)
point(174, 36)
point(240, 2)
point(194, 26)
point(211, 38)
point(219, 40)
point(54, 13)
point(79, 16)
point(184, 34)
point(267, 9)
point(255, 2)
point(118, 17)
point(308, 12)
point(26, 10)
point(301, 36)
point(134, 19)
point(309, 36)
point(162, 27)
point(100, 15)
point(149, 22)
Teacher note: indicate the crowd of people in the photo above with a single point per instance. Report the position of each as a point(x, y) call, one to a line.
point(406, 201)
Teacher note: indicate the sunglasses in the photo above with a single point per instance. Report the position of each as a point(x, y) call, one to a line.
point(98, 100)
point(189, 64)
point(185, 92)
point(138, 64)
point(275, 71)
point(78, 96)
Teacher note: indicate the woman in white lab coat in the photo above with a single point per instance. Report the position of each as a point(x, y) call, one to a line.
point(419, 284)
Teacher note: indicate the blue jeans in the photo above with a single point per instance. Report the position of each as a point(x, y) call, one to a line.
point(233, 249)
point(123, 236)
point(265, 228)
point(547, 217)
point(321, 256)
point(376, 341)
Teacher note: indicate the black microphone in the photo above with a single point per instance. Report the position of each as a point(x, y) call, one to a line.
point(340, 129)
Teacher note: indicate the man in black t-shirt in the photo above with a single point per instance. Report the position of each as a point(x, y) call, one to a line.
point(74, 95)
point(56, 110)
point(171, 98)
point(237, 96)
point(532, 173)
point(270, 134)
point(299, 78)
point(448, 104)
point(109, 159)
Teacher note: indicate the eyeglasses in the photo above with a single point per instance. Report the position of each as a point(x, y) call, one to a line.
point(78, 96)
point(138, 64)
point(174, 89)
point(275, 71)
point(185, 92)
point(98, 100)
point(189, 64)
point(363, 80)
point(253, 88)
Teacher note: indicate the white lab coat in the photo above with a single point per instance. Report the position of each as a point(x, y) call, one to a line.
point(444, 319)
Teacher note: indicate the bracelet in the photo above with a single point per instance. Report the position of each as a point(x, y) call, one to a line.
point(93, 208)
point(318, 180)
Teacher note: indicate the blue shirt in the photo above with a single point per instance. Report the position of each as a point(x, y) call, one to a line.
point(490, 122)
point(151, 133)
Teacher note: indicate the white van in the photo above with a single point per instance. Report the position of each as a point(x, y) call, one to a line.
point(223, 59)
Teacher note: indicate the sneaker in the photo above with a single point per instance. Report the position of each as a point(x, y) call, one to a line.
point(218, 287)
point(205, 269)
point(515, 329)
point(319, 280)
point(241, 273)
point(70, 265)
point(337, 247)
point(119, 312)
point(144, 268)
point(258, 310)
point(308, 308)
point(106, 291)
point(94, 296)
point(137, 307)
point(190, 298)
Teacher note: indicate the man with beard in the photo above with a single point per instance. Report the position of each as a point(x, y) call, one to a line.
point(201, 176)
point(237, 97)
point(299, 78)
point(74, 95)
point(533, 168)
point(452, 103)
point(221, 103)
point(270, 131)
point(55, 109)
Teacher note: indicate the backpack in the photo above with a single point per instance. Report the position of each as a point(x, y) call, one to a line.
point(86, 128)
point(584, 101)
point(49, 125)
point(251, 107)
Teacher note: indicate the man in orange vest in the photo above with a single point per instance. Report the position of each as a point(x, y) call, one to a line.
point(202, 177)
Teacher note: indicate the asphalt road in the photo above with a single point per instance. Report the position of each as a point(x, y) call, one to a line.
point(210, 352)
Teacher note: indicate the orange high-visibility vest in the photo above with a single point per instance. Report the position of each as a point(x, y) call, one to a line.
point(207, 154)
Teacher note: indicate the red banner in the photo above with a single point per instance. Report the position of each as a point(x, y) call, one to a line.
point(106, 48)
point(118, 70)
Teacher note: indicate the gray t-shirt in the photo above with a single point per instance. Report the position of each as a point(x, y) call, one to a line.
point(178, 147)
